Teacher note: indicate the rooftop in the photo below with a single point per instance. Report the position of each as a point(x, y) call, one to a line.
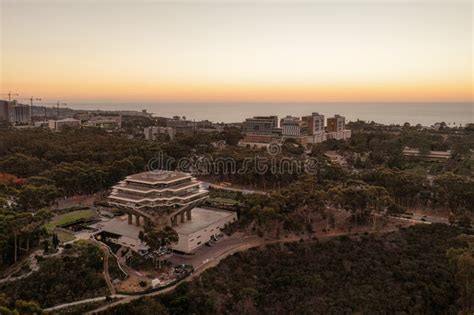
point(65, 120)
point(130, 186)
point(138, 198)
point(201, 218)
point(429, 154)
point(157, 177)
point(119, 226)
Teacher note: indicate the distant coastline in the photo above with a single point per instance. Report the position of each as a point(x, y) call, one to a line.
point(424, 113)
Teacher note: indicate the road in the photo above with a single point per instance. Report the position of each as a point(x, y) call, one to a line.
point(105, 272)
point(32, 263)
point(205, 254)
point(428, 218)
point(91, 300)
point(207, 185)
point(423, 219)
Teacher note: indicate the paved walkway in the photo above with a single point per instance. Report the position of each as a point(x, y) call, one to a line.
point(32, 263)
point(105, 272)
point(244, 191)
point(91, 300)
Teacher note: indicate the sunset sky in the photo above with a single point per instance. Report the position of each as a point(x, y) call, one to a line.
point(237, 50)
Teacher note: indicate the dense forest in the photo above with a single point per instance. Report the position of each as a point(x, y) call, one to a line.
point(81, 161)
point(75, 275)
point(365, 196)
point(405, 272)
point(39, 166)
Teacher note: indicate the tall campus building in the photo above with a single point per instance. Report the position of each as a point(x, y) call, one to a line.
point(292, 127)
point(315, 123)
point(336, 128)
point(262, 125)
point(164, 197)
point(14, 113)
point(316, 132)
point(261, 129)
point(336, 123)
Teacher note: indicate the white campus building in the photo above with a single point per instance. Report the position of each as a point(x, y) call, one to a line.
point(205, 224)
point(152, 133)
point(66, 122)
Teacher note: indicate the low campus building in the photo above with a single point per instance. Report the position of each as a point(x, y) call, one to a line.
point(153, 132)
point(339, 135)
point(206, 224)
point(105, 122)
point(62, 123)
point(336, 158)
point(429, 155)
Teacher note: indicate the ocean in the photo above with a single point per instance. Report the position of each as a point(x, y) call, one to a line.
point(425, 114)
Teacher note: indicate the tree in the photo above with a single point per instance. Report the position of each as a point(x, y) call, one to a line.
point(32, 197)
point(156, 238)
point(462, 260)
point(151, 306)
point(18, 230)
point(55, 240)
point(46, 246)
point(21, 165)
point(28, 307)
point(361, 200)
point(454, 191)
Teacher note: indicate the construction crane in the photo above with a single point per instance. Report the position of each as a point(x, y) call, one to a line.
point(31, 99)
point(57, 107)
point(34, 99)
point(10, 94)
point(58, 103)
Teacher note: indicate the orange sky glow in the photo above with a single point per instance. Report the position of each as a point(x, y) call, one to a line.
point(238, 50)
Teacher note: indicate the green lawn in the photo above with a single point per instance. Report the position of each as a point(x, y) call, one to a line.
point(65, 236)
point(68, 218)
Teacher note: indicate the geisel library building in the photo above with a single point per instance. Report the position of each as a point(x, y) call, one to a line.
point(168, 198)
